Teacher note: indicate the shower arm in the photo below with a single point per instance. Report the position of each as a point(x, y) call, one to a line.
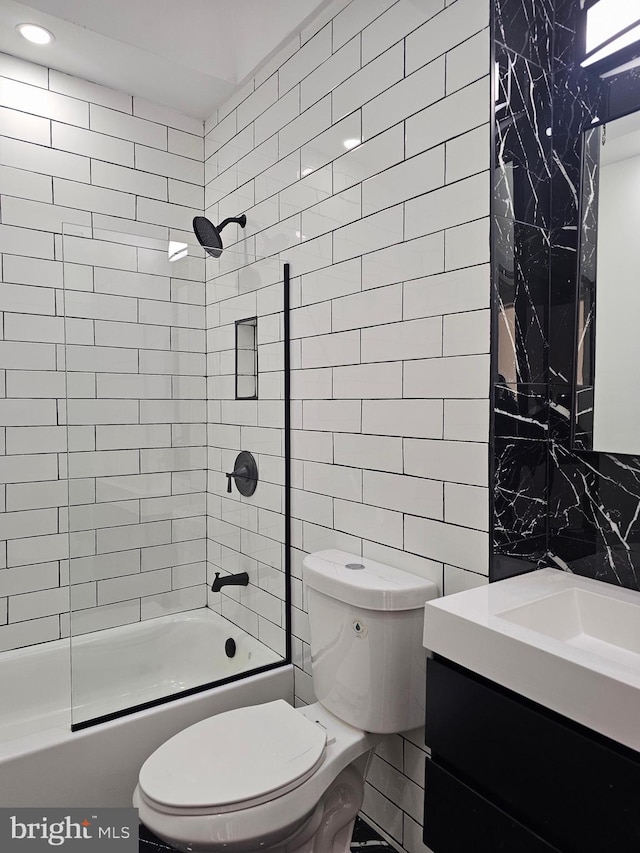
point(239, 220)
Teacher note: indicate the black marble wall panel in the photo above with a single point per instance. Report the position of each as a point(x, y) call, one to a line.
point(550, 497)
point(563, 260)
point(523, 139)
point(526, 26)
point(521, 279)
point(593, 514)
point(523, 119)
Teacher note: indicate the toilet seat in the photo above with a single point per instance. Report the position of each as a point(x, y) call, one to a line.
point(279, 814)
point(233, 761)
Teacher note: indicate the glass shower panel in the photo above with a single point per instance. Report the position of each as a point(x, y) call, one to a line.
point(249, 533)
point(142, 490)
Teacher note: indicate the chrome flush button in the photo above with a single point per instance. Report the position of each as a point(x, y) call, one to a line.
point(354, 565)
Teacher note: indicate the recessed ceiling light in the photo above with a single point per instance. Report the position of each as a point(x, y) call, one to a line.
point(351, 143)
point(35, 34)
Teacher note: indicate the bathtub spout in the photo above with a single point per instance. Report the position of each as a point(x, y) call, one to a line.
point(241, 579)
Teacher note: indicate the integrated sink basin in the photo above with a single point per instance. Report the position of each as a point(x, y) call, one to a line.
point(570, 643)
point(586, 620)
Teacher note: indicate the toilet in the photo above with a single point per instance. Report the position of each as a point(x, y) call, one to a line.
point(273, 778)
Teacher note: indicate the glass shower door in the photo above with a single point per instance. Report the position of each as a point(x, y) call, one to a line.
point(149, 518)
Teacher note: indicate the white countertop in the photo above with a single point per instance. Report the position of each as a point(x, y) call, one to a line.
point(567, 662)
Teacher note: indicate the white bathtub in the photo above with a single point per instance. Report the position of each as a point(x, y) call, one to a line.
point(43, 763)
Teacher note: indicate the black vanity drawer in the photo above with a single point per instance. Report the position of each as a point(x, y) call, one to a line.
point(458, 820)
point(571, 788)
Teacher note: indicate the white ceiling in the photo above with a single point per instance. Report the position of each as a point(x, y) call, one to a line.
point(189, 55)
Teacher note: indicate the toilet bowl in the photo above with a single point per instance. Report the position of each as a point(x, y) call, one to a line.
point(267, 777)
point(274, 778)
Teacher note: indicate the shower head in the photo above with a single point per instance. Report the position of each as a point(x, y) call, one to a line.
point(209, 235)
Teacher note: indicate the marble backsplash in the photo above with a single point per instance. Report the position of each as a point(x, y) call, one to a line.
point(551, 500)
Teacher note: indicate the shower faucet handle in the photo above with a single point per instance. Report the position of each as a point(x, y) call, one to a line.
point(239, 472)
point(245, 474)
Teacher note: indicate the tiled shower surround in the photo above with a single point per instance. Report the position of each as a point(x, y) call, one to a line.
point(549, 498)
point(361, 155)
point(75, 154)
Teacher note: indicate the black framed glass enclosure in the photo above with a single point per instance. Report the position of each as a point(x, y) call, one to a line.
point(176, 584)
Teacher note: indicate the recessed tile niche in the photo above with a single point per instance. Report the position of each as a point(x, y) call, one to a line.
point(247, 359)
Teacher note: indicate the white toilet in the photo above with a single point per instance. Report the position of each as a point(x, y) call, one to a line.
point(274, 778)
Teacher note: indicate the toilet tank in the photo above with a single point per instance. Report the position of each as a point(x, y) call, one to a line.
point(366, 621)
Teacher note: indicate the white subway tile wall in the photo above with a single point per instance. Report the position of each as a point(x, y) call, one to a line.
point(362, 157)
point(137, 423)
point(132, 542)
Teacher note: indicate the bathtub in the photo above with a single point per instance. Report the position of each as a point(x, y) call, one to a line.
point(44, 763)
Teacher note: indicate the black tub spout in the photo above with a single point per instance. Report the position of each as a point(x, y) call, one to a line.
point(241, 579)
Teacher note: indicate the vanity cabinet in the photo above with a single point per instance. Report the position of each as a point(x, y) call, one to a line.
point(506, 774)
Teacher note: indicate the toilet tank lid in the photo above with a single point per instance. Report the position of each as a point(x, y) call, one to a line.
point(365, 582)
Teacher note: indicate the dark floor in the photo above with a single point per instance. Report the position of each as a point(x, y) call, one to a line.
point(364, 839)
